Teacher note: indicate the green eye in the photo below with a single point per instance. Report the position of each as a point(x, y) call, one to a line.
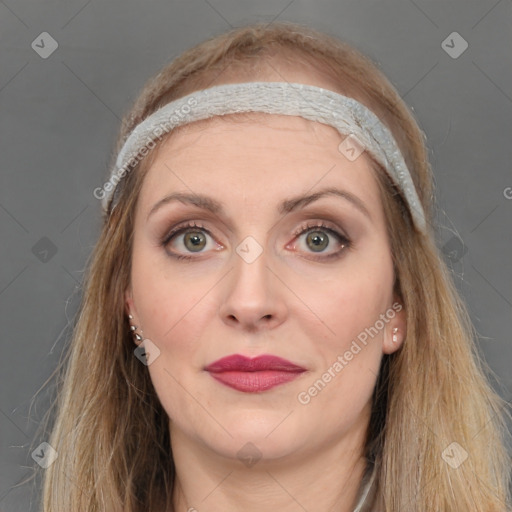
point(194, 241)
point(318, 240)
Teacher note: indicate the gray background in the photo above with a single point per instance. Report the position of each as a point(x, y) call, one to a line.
point(60, 115)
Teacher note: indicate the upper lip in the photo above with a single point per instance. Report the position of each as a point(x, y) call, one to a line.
point(241, 363)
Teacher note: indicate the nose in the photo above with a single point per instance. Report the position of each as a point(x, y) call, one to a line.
point(254, 296)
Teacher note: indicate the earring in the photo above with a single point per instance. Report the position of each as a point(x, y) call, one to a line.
point(395, 337)
point(133, 328)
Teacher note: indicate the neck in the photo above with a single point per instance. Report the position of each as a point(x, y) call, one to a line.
point(323, 480)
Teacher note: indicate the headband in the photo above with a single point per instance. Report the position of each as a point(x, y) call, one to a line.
point(364, 129)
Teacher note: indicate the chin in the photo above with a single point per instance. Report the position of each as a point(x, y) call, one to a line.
point(250, 449)
point(258, 434)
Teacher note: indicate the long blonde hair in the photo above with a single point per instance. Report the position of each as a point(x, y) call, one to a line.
point(110, 430)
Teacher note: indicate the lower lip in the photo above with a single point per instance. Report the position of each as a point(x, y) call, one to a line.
point(253, 382)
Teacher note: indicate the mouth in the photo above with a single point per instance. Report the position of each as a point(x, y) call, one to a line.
point(253, 375)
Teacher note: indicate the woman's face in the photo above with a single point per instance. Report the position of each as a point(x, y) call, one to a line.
point(274, 264)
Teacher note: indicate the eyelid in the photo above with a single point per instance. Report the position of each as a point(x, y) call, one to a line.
point(305, 227)
point(178, 230)
point(304, 224)
point(321, 224)
point(182, 226)
point(333, 231)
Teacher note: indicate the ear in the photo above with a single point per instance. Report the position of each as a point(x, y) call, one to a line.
point(130, 305)
point(131, 311)
point(395, 328)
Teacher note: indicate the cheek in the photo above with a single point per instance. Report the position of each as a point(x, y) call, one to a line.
point(167, 301)
point(345, 336)
point(348, 352)
point(346, 304)
point(173, 309)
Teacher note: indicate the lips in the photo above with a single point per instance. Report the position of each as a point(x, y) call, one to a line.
point(253, 375)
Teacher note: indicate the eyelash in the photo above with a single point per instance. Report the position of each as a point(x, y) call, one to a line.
point(342, 239)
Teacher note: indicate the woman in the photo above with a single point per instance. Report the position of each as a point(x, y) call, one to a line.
point(267, 322)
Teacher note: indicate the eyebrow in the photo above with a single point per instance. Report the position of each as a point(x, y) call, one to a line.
point(289, 205)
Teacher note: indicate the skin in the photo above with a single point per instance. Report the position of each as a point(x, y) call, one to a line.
point(284, 303)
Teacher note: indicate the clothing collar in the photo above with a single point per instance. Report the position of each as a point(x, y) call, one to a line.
point(367, 490)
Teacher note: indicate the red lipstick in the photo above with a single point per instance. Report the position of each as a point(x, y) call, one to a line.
point(253, 375)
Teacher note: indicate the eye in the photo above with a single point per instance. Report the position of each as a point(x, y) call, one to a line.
point(192, 237)
point(318, 239)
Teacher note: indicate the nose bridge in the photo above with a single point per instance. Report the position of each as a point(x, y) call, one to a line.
point(250, 277)
point(251, 295)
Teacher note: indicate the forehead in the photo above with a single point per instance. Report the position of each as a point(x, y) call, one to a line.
point(257, 156)
point(260, 122)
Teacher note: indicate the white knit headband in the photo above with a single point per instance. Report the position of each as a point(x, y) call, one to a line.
point(345, 114)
